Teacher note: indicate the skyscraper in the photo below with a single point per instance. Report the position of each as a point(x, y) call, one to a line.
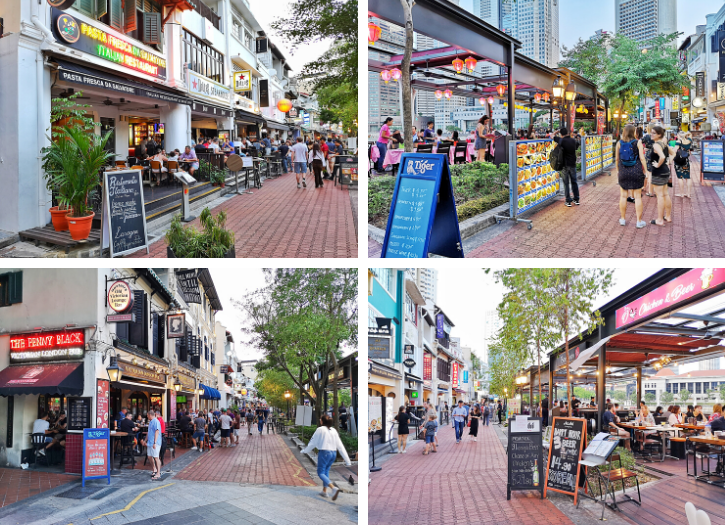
point(536, 24)
point(490, 12)
point(642, 20)
point(428, 284)
point(384, 99)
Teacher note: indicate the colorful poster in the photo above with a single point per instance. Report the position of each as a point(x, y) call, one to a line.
point(102, 394)
point(535, 182)
point(96, 454)
point(454, 381)
point(375, 414)
point(172, 408)
point(427, 367)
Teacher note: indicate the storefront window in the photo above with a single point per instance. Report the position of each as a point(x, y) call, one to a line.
point(386, 277)
point(202, 58)
point(138, 403)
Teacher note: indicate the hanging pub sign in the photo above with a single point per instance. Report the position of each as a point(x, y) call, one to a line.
point(47, 346)
point(106, 44)
point(423, 218)
point(410, 363)
point(409, 349)
point(189, 285)
point(700, 84)
point(263, 93)
point(175, 324)
point(242, 81)
point(696, 283)
point(120, 297)
point(225, 369)
point(61, 4)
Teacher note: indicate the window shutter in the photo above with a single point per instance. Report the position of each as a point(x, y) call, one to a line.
point(15, 287)
point(115, 8)
point(101, 8)
point(155, 333)
point(86, 7)
point(129, 16)
point(152, 28)
point(162, 336)
point(138, 331)
point(195, 361)
point(213, 363)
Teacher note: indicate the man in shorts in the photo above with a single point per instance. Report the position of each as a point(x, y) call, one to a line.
point(199, 431)
point(250, 419)
point(299, 161)
point(226, 423)
point(153, 444)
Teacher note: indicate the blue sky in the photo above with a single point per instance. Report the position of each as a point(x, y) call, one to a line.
point(581, 18)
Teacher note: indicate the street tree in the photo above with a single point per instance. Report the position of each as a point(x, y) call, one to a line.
point(272, 383)
point(405, 67)
point(684, 395)
point(620, 395)
point(722, 391)
point(711, 393)
point(300, 320)
point(588, 58)
point(649, 397)
point(528, 308)
point(338, 106)
point(572, 292)
point(334, 20)
point(508, 352)
point(667, 397)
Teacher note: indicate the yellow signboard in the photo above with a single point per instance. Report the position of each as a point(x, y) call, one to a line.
point(242, 81)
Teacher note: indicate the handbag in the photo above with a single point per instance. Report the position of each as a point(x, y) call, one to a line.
point(469, 423)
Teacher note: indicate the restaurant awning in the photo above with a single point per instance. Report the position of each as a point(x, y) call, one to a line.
point(143, 387)
point(586, 354)
point(95, 78)
point(56, 379)
point(248, 118)
point(276, 125)
point(210, 393)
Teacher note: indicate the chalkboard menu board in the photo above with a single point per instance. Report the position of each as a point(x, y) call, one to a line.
point(348, 169)
point(124, 212)
point(79, 413)
point(713, 160)
point(568, 436)
point(525, 458)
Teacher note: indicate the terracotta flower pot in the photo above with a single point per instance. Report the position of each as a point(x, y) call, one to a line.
point(80, 227)
point(58, 216)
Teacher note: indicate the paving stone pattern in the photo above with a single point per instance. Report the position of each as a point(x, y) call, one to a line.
point(206, 515)
point(17, 484)
point(280, 220)
point(258, 459)
point(460, 484)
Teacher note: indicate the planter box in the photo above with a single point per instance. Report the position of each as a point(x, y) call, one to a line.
point(231, 254)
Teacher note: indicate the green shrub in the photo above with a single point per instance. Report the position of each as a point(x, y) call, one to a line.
point(380, 196)
point(213, 241)
point(477, 206)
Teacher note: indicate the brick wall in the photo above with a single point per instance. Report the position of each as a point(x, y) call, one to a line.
point(73, 453)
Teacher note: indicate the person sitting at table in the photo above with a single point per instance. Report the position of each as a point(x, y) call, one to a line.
point(644, 417)
point(690, 412)
point(120, 417)
point(226, 145)
point(190, 156)
point(140, 152)
point(609, 421)
point(675, 416)
point(666, 413)
point(718, 424)
point(174, 155)
point(698, 415)
point(42, 426)
point(160, 157)
point(659, 412)
point(716, 412)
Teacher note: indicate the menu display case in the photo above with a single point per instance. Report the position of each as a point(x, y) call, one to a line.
point(532, 180)
point(79, 413)
point(597, 154)
point(713, 160)
point(607, 151)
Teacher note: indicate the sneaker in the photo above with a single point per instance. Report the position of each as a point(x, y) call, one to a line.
point(323, 494)
point(304, 183)
point(298, 186)
point(576, 202)
point(568, 204)
point(641, 224)
point(630, 199)
point(404, 451)
point(194, 448)
point(335, 493)
point(622, 222)
point(41, 452)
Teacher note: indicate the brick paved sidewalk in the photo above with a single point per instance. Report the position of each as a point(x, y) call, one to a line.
point(258, 459)
point(17, 485)
point(460, 484)
point(593, 230)
point(280, 220)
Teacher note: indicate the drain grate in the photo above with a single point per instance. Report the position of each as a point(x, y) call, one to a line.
point(79, 492)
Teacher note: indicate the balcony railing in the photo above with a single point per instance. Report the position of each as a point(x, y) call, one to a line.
point(205, 11)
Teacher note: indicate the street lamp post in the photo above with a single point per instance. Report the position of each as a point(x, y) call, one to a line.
point(287, 396)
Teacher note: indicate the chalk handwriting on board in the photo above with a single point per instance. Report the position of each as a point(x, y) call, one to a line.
point(126, 215)
point(412, 212)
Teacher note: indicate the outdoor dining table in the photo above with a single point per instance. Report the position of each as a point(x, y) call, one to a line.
point(720, 469)
point(392, 156)
point(656, 428)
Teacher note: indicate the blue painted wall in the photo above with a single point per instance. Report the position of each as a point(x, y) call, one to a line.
point(390, 307)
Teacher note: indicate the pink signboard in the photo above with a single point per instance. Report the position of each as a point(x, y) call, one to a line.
point(172, 396)
point(102, 403)
point(676, 291)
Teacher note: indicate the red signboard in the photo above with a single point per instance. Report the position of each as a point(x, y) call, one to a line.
point(102, 393)
point(172, 403)
point(454, 382)
point(685, 287)
point(658, 115)
point(427, 367)
point(47, 346)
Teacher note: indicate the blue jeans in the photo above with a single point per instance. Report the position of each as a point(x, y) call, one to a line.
point(325, 459)
point(568, 175)
point(383, 148)
point(486, 418)
point(260, 425)
point(285, 164)
point(301, 167)
point(459, 429)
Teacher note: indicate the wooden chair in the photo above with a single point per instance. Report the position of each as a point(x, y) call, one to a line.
point(120, 163)
point(459, 154)
point(425, 148)
point(156, 170)
point(619, 474)
point(127, 452)
point(444, 148)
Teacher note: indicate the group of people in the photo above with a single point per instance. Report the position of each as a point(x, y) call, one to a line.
point(644, 162)
point(312, 156)
point(54, 426)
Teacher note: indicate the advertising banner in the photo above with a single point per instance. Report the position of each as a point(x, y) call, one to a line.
point(713, 160)
point(427, 367)
point(242, 81)
point(700, 84)
point(96, 454)
point(532, 180)
point(102, 403)
point(440, 331)
point(454, 376)
point(375, 414)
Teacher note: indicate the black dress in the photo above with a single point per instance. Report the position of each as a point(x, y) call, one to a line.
point(631, 177)
point(474, 426)
point(403, 419)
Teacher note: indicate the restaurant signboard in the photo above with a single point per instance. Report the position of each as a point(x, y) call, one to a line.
point(107, 44)
point(47, 346)
point(189, 285)
point(102, 397)
point(379, 347)
point(568, 436)
point(202, 87)
point(120, 298)
point(131, 370)
point(187, 383)
point(96, 454)
point(525, 455)
point(427, 367)
point(687, 287)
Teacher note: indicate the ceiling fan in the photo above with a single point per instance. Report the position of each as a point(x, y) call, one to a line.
point(109, 102)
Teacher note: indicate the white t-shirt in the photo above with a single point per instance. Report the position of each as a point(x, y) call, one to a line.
point(214, 146)
point(299, 152)
point(40, 426)
point(226, 422)
point(316, 156)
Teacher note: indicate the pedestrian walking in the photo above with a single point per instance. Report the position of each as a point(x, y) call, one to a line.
point(382, 143)
point(568, 174)
point(486, 414)
point(682, 164)
point(226, 426)
point(317, 161)
point(299, 161)
point(200, 427)
point(153, 444)
point(403, 418)
point(430, 428)
point(260, 420)
point(249, 416)
point(327, 442)
point(483, 130)
point(431, 411)
point(237, 427)
point(661, 175)
point(630, 158)
point(475, 418)
point(459, 414)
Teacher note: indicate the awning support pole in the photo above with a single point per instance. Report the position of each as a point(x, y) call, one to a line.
point(601, 398)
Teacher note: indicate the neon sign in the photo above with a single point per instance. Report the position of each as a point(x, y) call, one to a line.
point(119, 51)
point(67, 344)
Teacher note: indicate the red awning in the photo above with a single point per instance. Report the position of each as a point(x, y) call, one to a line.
point(55, 379)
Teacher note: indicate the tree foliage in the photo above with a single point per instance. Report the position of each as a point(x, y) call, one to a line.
point(300, 320)
point(272, 383)
point(650, 397)
point(667, 397)
point(309, 22)
point(684, 395)
point(338, 106)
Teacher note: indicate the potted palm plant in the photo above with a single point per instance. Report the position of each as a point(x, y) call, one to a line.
point(80, 157)
point(214, 240)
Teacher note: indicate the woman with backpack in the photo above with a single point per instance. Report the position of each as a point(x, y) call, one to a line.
point(630, 160)
point(682, 163)
point(660, 176)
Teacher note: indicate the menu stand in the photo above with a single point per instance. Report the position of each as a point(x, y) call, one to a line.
point(186, 180)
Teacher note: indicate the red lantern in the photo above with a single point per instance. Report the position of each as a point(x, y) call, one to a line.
point(439, 94)
point(284, 105)
point(448, 93)
point(546, 97)
point(490, 100)
point(458, 65)
point(471, 63)
point(537, 97)
point(373, 33)
point(482, 100)
point(386, 75)
point(396, 73)
point(500, 89)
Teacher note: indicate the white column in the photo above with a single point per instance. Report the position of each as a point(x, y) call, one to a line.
point(173, 35)
point(177, 126)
